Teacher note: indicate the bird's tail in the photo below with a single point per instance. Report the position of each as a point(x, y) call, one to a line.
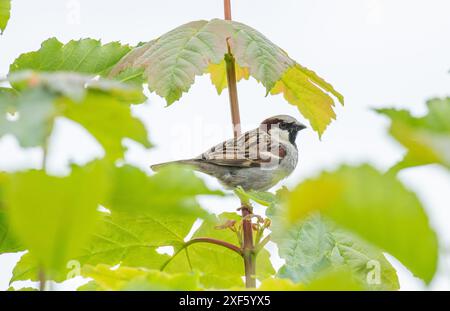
point(157, 167)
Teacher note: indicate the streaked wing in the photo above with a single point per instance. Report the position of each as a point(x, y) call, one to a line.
point(251, 149)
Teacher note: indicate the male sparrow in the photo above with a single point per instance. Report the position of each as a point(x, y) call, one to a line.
point(256, 160)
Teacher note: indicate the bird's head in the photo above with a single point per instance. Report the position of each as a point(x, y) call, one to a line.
point(285, 126)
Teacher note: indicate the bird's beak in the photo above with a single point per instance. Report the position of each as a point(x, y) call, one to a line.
point(300, 126)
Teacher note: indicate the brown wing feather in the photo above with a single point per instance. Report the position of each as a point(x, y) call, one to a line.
point(251, 149)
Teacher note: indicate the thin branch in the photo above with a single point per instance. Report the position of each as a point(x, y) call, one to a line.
point(204, 240)
point(42, 279)
point(227, 9)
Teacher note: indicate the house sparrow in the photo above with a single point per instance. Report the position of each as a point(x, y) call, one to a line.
point(256, 160)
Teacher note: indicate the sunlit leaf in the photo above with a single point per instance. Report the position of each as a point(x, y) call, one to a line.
point(5, 10)
point(426, 138)
point(55, 216)
point(171, 62)
point(376, 207)
point(82, 56)
point(218, 75)
point(126, 278)
point(309, 93)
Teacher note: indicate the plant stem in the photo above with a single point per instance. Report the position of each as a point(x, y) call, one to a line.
point(247, 247)
point(248, 251)
point(227, 9)
point(203, 240)
point(42, 280)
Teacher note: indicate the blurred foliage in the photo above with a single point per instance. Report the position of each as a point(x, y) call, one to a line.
point(340, 279)
point(377, 207)
point(138, 221)
point(97, 105)
point(426, 138)
point(171, 62)
point(316, 245)
point(5, 10)
point(138, 279)
point(57, 215)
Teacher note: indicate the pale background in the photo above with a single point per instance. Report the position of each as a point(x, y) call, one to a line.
point(378, 53)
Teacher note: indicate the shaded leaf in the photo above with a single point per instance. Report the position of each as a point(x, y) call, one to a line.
point(172, 61)
point(378, 208)
point(426, 138)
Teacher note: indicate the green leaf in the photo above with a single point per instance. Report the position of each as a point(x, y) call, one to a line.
point(218, 75)
point(315, 245)
point(171, 62)
point(261, 197)
point(101, 114)
point(426, 138)
point(218, 267)
point(99, 108)
point(140, 220)
point(126, 278)
point(334, 280)
point(75, 85)
point(8, 242)
point(5, 10)
point(55, 216)
point(309, 93)
point(36, 109)
point(376, 207)
point(83, 56)
point(172, 191)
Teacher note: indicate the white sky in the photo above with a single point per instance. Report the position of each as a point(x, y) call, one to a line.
point(378, 53)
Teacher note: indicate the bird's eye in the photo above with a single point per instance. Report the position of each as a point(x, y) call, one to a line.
point(284, 126)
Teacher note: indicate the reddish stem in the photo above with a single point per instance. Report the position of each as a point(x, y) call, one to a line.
point(247, 247)
point(204, 240)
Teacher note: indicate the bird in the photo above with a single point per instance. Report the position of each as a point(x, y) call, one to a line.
point(255, 160)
